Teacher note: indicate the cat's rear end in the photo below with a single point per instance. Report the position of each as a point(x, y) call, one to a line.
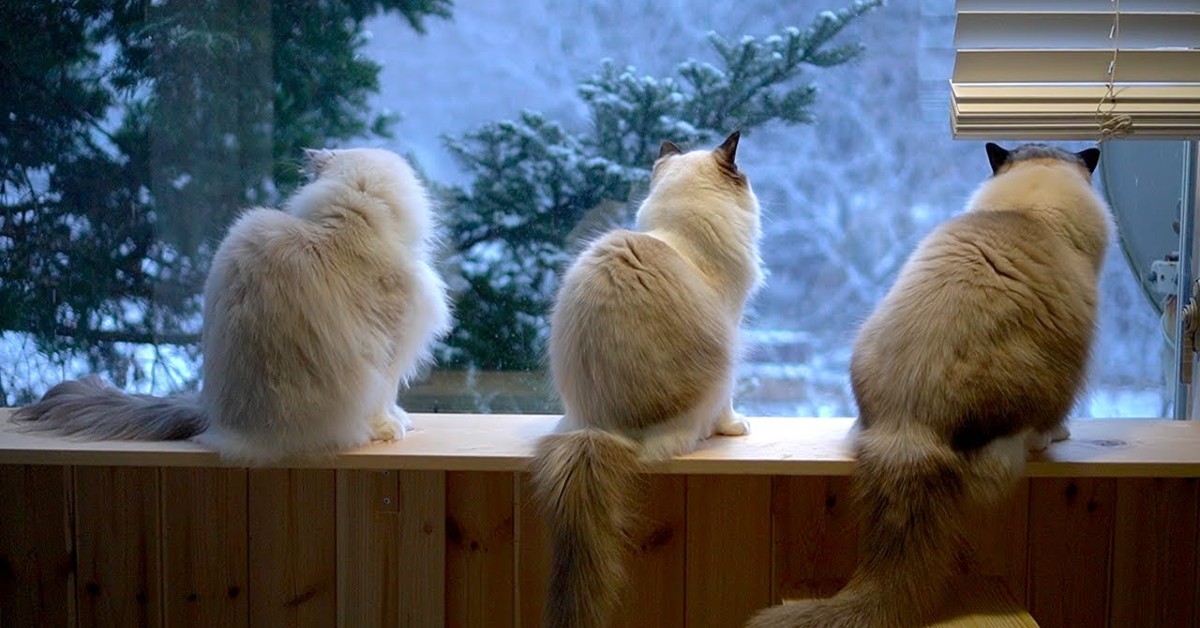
point(626, 297)
point(980, 345)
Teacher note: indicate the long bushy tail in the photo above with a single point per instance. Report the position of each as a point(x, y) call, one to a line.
point(586, 483)
point(91, 409)
point(913, 492)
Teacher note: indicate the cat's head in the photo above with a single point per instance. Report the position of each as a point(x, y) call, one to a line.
point(1002, 159)
point(715, 171)
point(381, 174)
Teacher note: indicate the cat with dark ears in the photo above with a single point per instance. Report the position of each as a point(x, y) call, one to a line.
point(974, 356)
point(643, 348)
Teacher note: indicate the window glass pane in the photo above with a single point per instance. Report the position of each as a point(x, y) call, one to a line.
point(131, 138)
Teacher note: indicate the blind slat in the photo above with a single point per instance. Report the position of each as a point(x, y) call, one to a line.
point(1039, 69)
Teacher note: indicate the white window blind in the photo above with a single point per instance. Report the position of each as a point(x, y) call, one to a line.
point(1076, 69)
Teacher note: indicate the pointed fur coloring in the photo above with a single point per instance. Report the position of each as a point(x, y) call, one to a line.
point(643, 346)
point(976, 353)
point(313, 317)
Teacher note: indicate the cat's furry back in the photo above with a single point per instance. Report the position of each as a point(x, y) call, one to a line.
point(643, 345)
point(313, 316)
point(979, 349)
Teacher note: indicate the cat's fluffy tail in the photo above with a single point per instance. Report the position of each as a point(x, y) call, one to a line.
point(913, 491)
point(586, 483)
point(91, 409)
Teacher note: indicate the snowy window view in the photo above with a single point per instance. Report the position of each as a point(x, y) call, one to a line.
point(130, 138)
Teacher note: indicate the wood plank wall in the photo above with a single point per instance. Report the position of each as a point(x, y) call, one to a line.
point(125, 547)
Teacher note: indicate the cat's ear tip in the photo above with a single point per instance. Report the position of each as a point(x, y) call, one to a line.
point(668, 148)
point(1090, 157)
point(728, 148)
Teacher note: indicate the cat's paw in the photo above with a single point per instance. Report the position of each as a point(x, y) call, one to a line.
point(1037, 441)
point(733, 424)
point(1060, 433)
point(401, 417)
point(390, 425)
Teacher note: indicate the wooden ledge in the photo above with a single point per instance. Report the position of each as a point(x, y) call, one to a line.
point(977, 602)
point(776, 446)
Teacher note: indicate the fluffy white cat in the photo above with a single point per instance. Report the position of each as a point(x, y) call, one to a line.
point(643, 345)
point(313, 318)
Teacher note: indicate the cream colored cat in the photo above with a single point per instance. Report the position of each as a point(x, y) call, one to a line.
point(643, 345)
point(980, 346)
point(313, 317)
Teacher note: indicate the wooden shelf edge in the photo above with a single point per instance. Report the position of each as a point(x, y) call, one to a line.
point(776, 446)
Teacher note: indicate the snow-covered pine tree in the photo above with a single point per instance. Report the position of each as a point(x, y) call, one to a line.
point(538, 189)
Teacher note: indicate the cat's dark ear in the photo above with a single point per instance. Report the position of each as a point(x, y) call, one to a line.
point(727, 151)
point(668, 148)
point(997, 156)
point(1090, 157)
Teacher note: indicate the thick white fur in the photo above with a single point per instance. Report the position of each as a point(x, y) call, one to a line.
point(313, 317)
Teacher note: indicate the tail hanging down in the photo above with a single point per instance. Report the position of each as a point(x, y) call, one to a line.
point(586, 482)
point(91, 409)
point(912, 492)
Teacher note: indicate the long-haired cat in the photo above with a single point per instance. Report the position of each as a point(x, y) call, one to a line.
point(313, 317)
point(979, 350)
point(644, 337)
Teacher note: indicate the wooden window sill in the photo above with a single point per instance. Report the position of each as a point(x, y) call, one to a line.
point(776, 446)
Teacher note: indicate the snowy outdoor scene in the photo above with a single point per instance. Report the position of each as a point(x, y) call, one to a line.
point(849, 178)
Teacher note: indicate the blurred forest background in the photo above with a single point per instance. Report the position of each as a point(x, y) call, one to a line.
point(132, 132)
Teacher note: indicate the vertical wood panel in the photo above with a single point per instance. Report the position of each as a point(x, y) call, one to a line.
point(1000, 536)
point(480, 558)
point(423, 548)
point(1154, 556)
point(368, 549)
point(533, 556)
point(1070, 535)
point(728, 549)
point(391, 548)
point(36, 570)
point(118, 544)
point(293, 547)
point(655, 595)
point(204, 547)
point(815, 536)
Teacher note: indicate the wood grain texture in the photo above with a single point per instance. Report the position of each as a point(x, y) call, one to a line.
point(656, 572)
point(368, 549)
point(999, 536)
point(118, 544)
point(728, 549)
point(422, 536)
point(204, 547)
point(1070, 536)
point(815, 536)
point(293, 547)
point(533, 556)
point(656, 567)
point(775, 446)
point(480, 556)
point(36, 547)
point(1154, 557)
